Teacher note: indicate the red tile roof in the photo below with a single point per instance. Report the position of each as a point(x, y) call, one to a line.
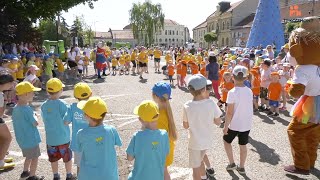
point(106, 35)
point(122, 34)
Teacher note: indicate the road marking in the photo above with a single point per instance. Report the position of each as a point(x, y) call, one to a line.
point(178, 172)
point(125, 118)
point(127, 123)
point(105, 97)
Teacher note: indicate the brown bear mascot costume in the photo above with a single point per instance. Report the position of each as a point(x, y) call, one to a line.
point(304, 129)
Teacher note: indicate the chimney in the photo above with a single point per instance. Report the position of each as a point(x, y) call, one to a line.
point(224, 6)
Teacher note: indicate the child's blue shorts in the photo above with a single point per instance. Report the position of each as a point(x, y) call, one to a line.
point(274, 103)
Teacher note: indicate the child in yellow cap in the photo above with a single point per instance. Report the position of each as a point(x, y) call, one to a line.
point(25, 124)
point(97, 143)
point(54, 111)
point(82, 92)
point(150, 146)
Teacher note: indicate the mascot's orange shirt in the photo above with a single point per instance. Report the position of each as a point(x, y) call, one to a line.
point(170, 70)
point(203, 71)
point(228, 86)
point(274, 91)
point(184, 70)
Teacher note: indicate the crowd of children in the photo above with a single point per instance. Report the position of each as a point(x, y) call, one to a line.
point(243, 79)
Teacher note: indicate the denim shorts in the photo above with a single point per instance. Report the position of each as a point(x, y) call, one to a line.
point(273, 103)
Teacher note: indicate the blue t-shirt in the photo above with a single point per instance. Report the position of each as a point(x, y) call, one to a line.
point(247, 83)
point(53, 113)
point(76, 117)
point(150, 149)
point(99, 158)
point(27, 135)
point(213, 69)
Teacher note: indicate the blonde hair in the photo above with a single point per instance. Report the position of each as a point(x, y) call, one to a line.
point(171, 124)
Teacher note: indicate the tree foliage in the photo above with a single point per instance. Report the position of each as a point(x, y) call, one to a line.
point(18, 16)
point(146, 19)
point(48, 30)
point(210, 37)
point(290, 26)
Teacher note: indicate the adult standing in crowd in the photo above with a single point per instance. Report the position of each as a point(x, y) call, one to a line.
point(213, 74)
point(72, 62)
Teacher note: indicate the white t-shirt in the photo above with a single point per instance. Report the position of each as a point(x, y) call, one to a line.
point(283, 80)
point(72, 56)
point(265, 78)
point(308, 75)
point(200, 116)
point(87, 51)
point(242, 98)
point(30, 78)
point(80, 64)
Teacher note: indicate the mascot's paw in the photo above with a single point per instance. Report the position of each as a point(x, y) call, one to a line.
point(297, 90)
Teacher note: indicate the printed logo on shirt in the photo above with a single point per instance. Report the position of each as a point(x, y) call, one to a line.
point(155, 145)
point(99, 140)
point(78, 116)
point(49, 109)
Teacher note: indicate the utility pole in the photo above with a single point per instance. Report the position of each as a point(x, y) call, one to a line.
point(313, 4)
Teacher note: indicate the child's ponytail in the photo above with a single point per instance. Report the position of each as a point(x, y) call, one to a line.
point(172, 126)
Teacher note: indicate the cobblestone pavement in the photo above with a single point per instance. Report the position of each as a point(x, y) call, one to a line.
point(268, 150)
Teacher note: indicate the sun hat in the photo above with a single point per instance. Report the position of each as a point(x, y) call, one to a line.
point(25, 87)
point(147, 110)
point(95, 107)
point(197, 81)
point(82, 91)
point(33, 67)
point(162, 90)
point(54, 85)
point(240, 69)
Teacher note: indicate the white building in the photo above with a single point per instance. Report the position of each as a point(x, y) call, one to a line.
point(173, 34)
point(198, 34)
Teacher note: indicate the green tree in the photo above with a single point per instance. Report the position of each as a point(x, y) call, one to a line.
point(210, 37)
point(146, 19)
point(48, 30)
point(290, 26)
point(77, 31)
point(18, 16)
point(88, 35)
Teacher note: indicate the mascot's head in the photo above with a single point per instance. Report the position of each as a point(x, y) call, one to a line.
point(100, 45)
point(304, 42)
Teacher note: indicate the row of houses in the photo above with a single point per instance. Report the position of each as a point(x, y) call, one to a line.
point(173, 34)
point(232, 22)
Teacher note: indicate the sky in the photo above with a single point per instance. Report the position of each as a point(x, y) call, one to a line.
point(114, 14)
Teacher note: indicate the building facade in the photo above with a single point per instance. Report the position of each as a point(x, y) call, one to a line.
point(198, 35)
point(173, 34)
point(116, 36)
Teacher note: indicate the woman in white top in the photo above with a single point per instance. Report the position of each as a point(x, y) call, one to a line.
point(72, 62)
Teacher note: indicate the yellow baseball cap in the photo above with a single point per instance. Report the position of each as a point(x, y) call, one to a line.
point(25, 87)
point(54, 85)
point(95, 107)
point(82, 91)
point(148, 111)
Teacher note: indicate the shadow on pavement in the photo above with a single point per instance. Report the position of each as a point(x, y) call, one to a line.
point(184, 89)
point(233, 175)
point(6, 170)
point(267, 154)
point(294, 177)
point(265, 119)
point(315, 172)
point(143, 80)
point(282, 121)
point(97, 81)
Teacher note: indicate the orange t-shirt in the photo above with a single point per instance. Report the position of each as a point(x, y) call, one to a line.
point(274, 91)
point(203, 71)
point(228, 86)
point(170, 70)
point(179, 68)
point(221, 80)
point(256, 81)
point(194, 69)
point(184, 70)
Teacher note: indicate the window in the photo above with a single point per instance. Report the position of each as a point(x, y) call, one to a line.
point(227, 41)
point(222, 25)
point(212, 26)
point(177, 32)
point(169, 32)
point(172, 32)
point(177, 40)
point(160, 40)
point(222, 42)
point(217, 26)
point(172, 40)
point(166, 32)
point(166, 40)
point(156, 40)
point(169, 40)
point(227, 25)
